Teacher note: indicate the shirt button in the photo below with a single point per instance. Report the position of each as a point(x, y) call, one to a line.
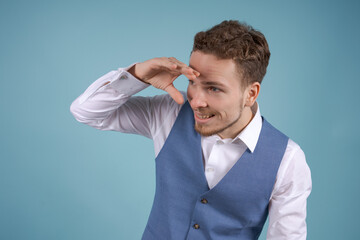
point(196, 226)
point(219, 142)
point(123, 77)
point(204, 201)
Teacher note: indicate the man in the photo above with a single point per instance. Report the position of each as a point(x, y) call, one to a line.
point(221, 168)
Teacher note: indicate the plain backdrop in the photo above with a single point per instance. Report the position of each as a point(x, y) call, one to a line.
point(60, 179)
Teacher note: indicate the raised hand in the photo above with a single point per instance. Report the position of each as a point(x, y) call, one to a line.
point(161, 73)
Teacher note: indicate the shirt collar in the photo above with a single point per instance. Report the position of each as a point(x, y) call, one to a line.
point(250, 134)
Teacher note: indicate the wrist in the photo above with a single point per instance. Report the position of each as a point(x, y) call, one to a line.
point(133, 72)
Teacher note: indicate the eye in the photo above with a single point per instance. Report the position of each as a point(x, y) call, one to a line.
point(191, 82)
point(214, 89)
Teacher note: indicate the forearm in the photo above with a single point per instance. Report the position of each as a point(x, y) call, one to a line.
point(107, 103)
point(104, 97)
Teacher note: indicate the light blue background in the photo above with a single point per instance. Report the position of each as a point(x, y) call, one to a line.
point(60, 179)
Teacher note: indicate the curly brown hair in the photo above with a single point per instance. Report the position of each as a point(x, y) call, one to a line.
point(240, 42)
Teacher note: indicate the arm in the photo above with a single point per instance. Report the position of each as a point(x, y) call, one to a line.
point(107, 104)
point(101, 103)
point(287, 207)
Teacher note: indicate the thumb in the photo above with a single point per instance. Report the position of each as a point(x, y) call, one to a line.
point(175, 94)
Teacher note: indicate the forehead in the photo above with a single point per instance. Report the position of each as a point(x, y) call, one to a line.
point(215, 70)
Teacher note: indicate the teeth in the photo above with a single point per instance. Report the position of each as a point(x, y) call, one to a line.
point(204, 116)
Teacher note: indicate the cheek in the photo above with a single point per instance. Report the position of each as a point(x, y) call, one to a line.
point(229, 110)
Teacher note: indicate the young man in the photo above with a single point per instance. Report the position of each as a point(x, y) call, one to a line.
point(221, 168)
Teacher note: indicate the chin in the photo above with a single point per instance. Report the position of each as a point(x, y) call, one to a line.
point(204, 131)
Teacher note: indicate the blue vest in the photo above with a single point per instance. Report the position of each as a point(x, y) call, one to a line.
point(236, 208)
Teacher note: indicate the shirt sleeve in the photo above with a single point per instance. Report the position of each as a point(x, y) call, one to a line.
point(287, 207)
point(108, 104)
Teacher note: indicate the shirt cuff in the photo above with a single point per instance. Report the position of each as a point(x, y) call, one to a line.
point(120, 80)
point(126, 83)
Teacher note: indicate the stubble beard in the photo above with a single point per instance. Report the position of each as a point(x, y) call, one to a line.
point(203, 131)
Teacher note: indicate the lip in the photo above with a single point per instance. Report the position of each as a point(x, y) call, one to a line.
point(200, 120)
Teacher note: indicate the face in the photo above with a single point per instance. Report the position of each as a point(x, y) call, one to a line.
point(217, 97)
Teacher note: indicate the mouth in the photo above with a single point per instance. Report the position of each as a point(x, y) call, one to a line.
point(202, 117)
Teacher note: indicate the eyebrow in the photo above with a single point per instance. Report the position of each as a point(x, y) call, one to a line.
point(210, 83)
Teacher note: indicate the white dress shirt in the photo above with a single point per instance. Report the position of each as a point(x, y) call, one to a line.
point(108, 104)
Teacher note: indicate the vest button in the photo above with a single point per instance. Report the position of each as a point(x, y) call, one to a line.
point(196, 226)
point(204, 201)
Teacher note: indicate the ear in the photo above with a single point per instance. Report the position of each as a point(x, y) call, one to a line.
point(252, 92)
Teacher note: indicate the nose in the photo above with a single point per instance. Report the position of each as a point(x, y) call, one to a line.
point(197, 99)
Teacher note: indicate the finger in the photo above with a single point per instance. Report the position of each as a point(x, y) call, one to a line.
point(178, 62)
point(185, 69)
point(165, 63)
point(190, 73)
point(181, 65)
point(174, 94)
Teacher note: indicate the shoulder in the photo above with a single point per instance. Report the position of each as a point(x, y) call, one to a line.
point(294, 155)
point(164, 101)
point(166, 111)
point(293, 168)
point(159, 106)
point(166, 106)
